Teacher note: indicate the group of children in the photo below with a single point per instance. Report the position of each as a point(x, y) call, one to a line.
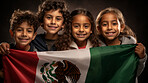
point(65, 30)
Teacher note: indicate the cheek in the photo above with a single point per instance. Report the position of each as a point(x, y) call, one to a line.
point(31, 35)
point(74, 30)
point(118, 28)
point(102, 29)
point(60, 23)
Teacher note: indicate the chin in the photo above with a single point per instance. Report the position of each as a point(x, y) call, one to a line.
point(111, 38)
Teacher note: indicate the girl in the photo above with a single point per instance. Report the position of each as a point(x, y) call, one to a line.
point(81, 34)
point(113, 31)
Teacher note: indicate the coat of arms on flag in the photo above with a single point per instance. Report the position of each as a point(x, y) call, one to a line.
point(59, 71)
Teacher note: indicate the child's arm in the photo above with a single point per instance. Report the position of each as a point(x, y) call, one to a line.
point(140, 50)
point(4, 48)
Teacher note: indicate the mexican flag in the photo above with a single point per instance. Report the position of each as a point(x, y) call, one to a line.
point(110, 64)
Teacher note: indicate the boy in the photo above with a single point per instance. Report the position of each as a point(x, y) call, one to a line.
point(53, 17)
point(23, 26)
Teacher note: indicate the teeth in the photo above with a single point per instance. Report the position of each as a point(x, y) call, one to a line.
point(81, 35)
point(110, 33)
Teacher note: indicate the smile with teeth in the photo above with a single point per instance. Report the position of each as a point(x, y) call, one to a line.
point(22, 39)
point(52, 27)
point(110, 33)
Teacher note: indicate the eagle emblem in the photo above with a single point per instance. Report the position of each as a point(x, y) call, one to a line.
point(60, 72)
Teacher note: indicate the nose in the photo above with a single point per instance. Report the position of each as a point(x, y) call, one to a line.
point(24, 33)
point(81, 29)
point(109, 26)
point(53, 21)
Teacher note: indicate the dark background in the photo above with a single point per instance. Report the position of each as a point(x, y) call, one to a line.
point(134, 11)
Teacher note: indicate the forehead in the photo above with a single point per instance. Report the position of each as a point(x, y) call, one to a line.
point(25, 25)
point(109, 17)
point(81, 19)
point(54, 13)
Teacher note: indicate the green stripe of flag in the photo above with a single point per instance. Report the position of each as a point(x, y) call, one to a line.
point(112, 64)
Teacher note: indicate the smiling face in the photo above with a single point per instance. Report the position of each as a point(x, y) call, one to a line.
point(110, 26)
point(53, 21)
point(81, 28)
point(23, 35)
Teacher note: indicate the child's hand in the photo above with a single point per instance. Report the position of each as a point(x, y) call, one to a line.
point(140, 50)
point(4, 48)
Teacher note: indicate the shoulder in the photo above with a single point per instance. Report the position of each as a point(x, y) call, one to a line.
point(40, 43)
point(128, 40)
point(73, 45)
point(40, 36)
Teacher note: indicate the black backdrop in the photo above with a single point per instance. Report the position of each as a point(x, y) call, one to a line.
point(134, 12)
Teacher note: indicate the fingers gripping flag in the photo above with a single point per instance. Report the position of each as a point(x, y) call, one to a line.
point(110, 64)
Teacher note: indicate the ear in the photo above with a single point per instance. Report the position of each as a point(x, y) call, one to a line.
point(42, 25)
point(34, 35)
point(98, 30)
point(63, 26)
point(11, 33)
point(122, 27)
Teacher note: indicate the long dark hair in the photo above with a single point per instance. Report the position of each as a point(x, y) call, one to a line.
point(127, 30)
point(64, 41)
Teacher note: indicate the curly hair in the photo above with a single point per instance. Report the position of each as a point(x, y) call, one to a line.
point(48, 5)
point(19, 16)
point(64, 41)
point(127, 30)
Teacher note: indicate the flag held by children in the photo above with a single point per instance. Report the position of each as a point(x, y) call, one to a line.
point(110, 64)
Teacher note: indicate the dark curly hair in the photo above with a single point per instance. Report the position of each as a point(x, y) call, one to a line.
point(64, 41)
point(53, 5)
point(19, 16)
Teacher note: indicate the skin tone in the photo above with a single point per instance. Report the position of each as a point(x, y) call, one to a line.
point(53, 22)
point(111, 28)
point(81, 29)
point(23, 35)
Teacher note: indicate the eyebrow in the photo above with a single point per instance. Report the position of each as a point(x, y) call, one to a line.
point(27, 28)
point(52, 15)
point(111, 21)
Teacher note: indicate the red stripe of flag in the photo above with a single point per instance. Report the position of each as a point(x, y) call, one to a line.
point(19, 69)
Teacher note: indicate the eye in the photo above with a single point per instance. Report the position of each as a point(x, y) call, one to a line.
point(76, 26)
point(86, 26)
point(115, 24)
point(19, 30)
point(59, 18)
point(48, 17)
point(29, 30)
point(104, 25)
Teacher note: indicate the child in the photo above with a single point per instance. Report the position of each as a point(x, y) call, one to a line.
point(81, 34)
point(53, 17)
point(113, 31)
point(23, 26)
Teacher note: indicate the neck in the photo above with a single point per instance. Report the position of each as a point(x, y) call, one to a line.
point(113, 42)
point(24, 48)
point(81, 43)
point(51, 36)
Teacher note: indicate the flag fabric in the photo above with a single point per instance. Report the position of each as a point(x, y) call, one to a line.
point(110, 64)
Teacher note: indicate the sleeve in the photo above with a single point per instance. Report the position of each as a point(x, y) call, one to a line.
point(141, 65)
